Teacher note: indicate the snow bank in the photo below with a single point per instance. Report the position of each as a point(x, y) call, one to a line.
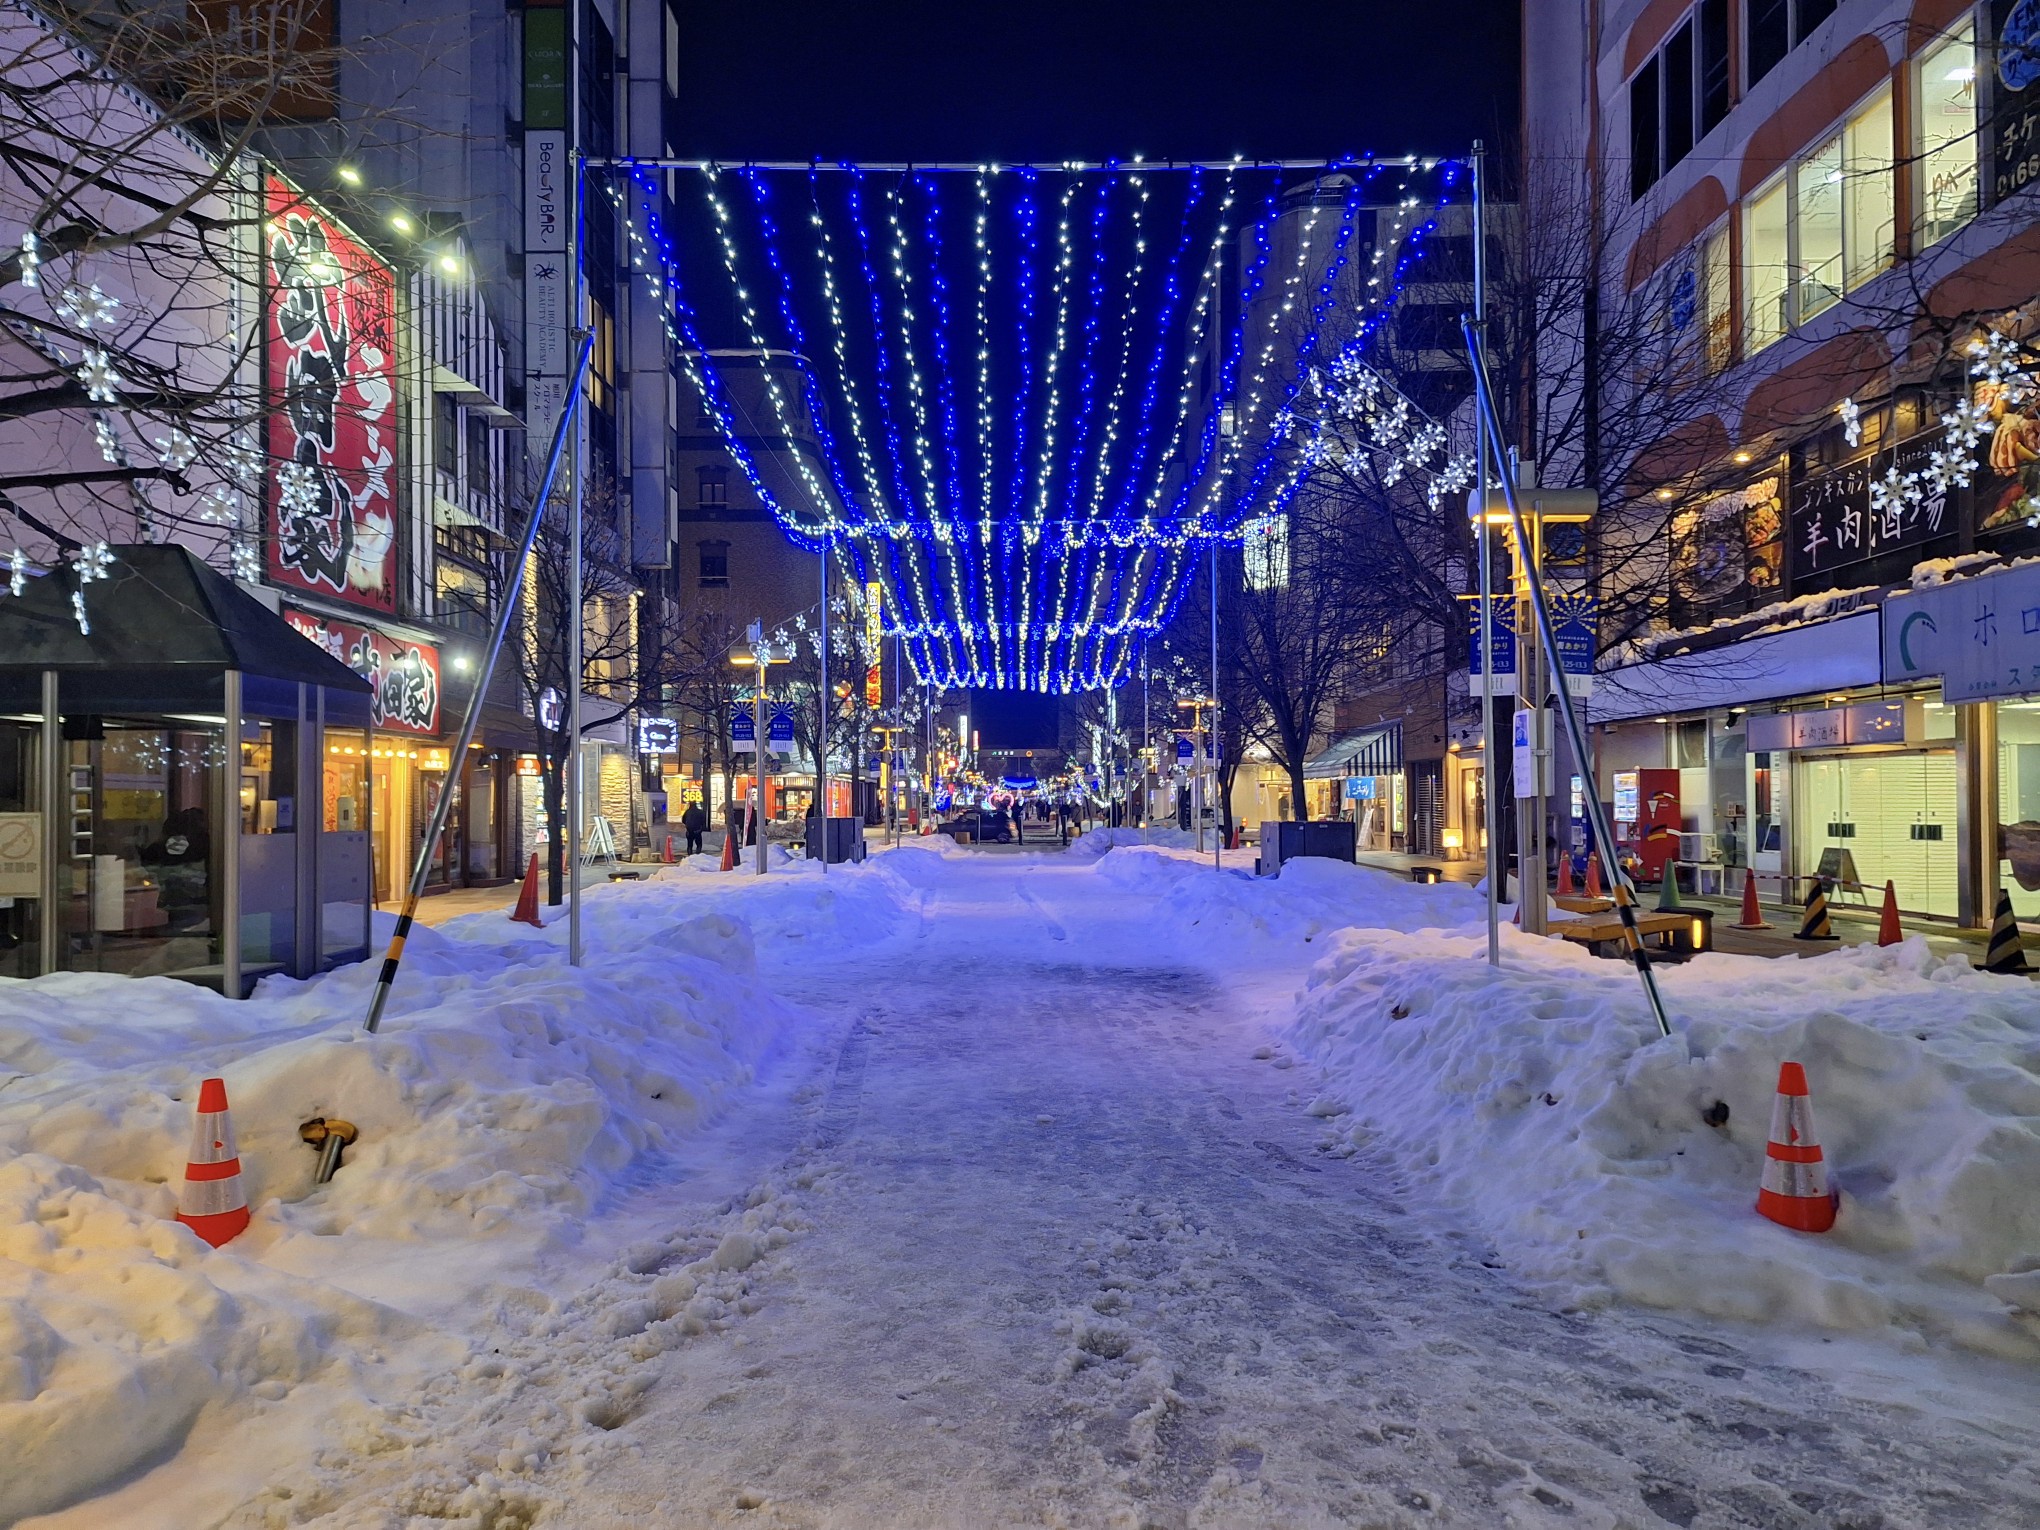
point(506, 1093)
point(1308, 898)
point(1093, 843)
point(1542, 1098)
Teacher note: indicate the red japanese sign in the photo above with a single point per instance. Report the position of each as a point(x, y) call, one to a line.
point(330, 338)
point(405, 675)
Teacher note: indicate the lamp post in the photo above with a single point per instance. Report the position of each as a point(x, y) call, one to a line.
point(885, 777)
point(761, 654)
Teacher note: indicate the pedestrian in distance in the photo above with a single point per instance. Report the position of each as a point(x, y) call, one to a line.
point(695, 822)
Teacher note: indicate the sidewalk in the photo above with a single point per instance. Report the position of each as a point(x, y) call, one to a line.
point(437, 908)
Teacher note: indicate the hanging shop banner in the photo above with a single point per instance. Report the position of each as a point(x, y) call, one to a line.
point(658, 735)
point(330, 366)
point(2006, 487)
point(1731, 547)
point(743, 730)
point(2015, 97)
point(1504, 644)
point(1861, 509)
point(874, 645)
point(779, 731)
point(1359, 788)
point(404, 675)
point(1575, 626)
point(1981, 635)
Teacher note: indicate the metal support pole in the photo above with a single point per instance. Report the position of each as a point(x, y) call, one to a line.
point(1490, 745)
point(512, 587)
point(822, 733)
point(1211, 752)
point(575, 783)
point(763, 728)
point(1531, 661)
point(1623, 888)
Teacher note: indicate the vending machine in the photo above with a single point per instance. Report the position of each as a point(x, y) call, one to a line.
point(1647, 820)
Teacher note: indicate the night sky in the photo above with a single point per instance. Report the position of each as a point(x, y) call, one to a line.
point(964, 79)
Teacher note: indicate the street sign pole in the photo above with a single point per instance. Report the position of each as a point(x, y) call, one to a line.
point(1490, 743)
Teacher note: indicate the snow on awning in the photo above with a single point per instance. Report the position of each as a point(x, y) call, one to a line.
point(1772, 666)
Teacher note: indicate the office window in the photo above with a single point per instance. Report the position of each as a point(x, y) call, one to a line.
point(445, 434)
point(1821, 227)
point(1948, 144)
point(1679, 94)
point(1869, 191)
point(1713, 65)
point(1776, 27)
point(715, 565)
point(714, 483)
point(1717, 299)
point(479, 477)
point(1643, 130)
point(1769, 36)
point(1766, 265)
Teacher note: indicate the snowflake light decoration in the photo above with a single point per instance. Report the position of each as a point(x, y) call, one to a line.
point(31, 258)
point(17, 572)
point(247, 564)
point(87, 306)
point(1852, 421)
point(109, 443)
point(98, 376)
point(176, 451)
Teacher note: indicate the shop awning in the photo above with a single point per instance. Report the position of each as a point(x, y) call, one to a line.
point(1771, 666)
point(1349, 753)
point(159, 607)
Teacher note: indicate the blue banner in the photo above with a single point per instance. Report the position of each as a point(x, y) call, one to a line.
point(1575, 617)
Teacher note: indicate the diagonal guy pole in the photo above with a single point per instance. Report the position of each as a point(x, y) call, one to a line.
point(1623, 889)
point(511, 589)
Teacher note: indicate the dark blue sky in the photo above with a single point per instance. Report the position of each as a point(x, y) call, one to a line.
point(969, 79)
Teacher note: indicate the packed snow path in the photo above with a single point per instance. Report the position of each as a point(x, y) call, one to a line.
point(1032, 1226)
point(1063, 1252)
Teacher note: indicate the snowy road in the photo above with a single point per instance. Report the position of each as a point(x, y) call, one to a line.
point(1055, 1248)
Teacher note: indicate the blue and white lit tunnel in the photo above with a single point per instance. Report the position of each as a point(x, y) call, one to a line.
point(1012, 376)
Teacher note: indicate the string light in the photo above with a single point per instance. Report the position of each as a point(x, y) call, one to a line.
point(1044, 537)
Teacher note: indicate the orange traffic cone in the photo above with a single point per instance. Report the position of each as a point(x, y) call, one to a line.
point(729, 850)
point(1565, 887)
point(526, 911)
point(213, 1204)
point(1888, 932)
point(668, 857)
point(1594, 875)
point(1752, 916)
point(1795, 1189)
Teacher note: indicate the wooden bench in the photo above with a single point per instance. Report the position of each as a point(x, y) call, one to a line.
point(1576, 903)
point(1595, 934)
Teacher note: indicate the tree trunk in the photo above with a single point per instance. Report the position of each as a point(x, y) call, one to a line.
point(553, 775)
point(1299, 800)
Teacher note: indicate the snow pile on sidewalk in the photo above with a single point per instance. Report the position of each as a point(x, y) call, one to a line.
point(1308, 898)
point(1542, 1098)
point(1093, 843)
point(506, 1093)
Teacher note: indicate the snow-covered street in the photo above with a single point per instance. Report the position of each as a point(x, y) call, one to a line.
point(1030, 1215)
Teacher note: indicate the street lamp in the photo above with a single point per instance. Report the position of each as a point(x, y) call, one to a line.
point(1197, 704)
point(763, 656)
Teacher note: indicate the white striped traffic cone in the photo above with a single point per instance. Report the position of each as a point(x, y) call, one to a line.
point(213, 1204)
point(1795, 1190)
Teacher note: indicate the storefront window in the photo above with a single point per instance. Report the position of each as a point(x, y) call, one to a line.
point(22, 850)
point(138, 875)
point(1863, 820)
point(268, 844)
point(343, 850)
point(1766, 265)
point(2019, 804)
point(482, 857)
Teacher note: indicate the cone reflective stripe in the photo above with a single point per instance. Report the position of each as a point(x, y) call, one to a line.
point(213, 1204)
point(1815, 925)
point(1752, 915)
point(1795, 1191)
point(1888, 931)
point(2004, 953)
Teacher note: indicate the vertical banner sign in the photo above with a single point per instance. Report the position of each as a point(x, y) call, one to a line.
point(2015, 97)
point(331, 372)
point(874, 645)
point(1504, 644)
point(779, 732)
point(743, 730)
point(1575, 621)
point(548, 260)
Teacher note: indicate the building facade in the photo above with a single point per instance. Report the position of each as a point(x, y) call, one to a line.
point(1818, 253)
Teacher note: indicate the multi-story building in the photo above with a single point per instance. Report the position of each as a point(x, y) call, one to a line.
point(1806, 215)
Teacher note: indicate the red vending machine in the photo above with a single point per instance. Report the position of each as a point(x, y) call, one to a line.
point(1647, 819)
